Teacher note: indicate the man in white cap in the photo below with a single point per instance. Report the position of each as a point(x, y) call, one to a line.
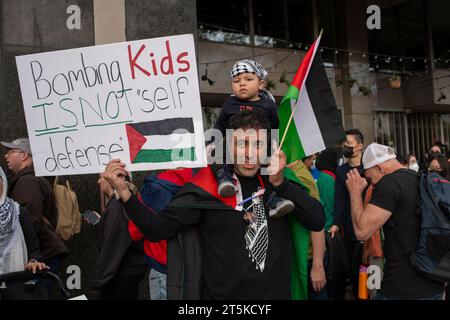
point(35, 194)
point(394, 207)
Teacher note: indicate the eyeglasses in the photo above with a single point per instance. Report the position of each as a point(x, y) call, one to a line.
point(14, 151)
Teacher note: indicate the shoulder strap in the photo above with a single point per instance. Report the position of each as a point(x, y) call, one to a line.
point(55, 182)
point(409, 252)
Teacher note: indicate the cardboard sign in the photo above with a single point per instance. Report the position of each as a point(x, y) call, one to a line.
point(138, 101)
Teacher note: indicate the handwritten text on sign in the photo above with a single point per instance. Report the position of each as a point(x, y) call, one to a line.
point(138, 101)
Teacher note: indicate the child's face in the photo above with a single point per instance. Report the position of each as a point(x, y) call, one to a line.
point(246, 86)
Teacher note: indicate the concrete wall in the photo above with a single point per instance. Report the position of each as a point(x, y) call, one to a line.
point(157, 18)
point(358, 109)
point(109, 21)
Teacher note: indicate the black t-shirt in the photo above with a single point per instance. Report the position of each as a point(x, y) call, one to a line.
point(228, 269)
point(233, 105)
point(398, 193)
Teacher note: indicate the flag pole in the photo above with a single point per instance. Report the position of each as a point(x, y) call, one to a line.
point(288, 124)
point(292, 114)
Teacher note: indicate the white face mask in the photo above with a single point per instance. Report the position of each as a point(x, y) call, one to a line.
point(414, 167)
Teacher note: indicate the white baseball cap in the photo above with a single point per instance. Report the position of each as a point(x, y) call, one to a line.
point(377, 153)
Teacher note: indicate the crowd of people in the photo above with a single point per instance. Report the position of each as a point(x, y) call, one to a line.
point(225, 231)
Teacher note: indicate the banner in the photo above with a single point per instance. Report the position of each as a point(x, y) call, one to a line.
point(138, 101)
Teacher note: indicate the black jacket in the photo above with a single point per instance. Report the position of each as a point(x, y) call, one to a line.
point(31, 239)
point(233, 105)
point(117, 252)
point(36, 195)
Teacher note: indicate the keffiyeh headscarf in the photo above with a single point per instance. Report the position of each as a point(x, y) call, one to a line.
point(9, 220)
point(251, 66)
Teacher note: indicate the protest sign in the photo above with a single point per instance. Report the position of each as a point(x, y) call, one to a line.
point(138, 101)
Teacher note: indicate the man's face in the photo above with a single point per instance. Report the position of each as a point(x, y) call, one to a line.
point(373, 175)
point(246, 86)
point(15, 159)
point(350, 141)
point(250, 146)
point(309, 161)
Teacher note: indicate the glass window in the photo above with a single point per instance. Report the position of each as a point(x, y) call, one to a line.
point(326, 20)
point(223, 21)
point(271, 21)
point(289, 21)
point(300, 21)
point(276, 23)
point(440, 24)
point(402, 33)
point(386, 40)
point(412, 32)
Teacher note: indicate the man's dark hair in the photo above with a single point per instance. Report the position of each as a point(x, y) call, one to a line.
point(249, 119)
point(357, 134)
point(328, 159)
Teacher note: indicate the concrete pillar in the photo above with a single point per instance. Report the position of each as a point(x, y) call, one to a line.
point(109, 21)
point(160, 18)
point(358, 109)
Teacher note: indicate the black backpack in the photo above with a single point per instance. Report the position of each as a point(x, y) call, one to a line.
point(431, 257)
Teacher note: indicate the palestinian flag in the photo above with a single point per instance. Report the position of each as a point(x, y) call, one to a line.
point(161, 141)
point(315, 123)
point(202, 193)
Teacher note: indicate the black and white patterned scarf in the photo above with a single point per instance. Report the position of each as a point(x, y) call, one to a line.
point(256, 236)
point(9, 220)
point(249, 66)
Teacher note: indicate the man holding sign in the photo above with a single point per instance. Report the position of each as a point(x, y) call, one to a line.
point(244, 254)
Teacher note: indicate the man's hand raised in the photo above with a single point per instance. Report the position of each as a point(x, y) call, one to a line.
point(276, 167)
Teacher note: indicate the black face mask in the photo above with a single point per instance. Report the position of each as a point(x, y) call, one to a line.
point(347, 151)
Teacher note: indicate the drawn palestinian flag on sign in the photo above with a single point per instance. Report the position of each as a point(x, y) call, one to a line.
point(161, 141)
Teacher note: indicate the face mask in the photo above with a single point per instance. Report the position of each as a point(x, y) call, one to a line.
point(347, 151)
point(414, 167)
